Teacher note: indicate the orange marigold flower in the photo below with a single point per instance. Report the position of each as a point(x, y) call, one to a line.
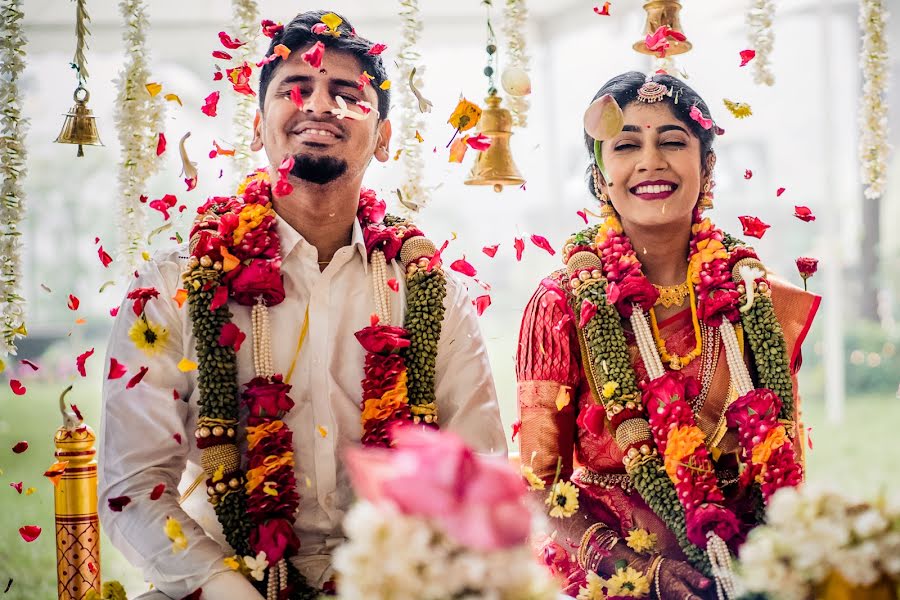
point(256, 434)
point(681, 443)
point(258, 176)
point(381, 408)
point(257, 476)
point(250, 218)
point(763, 450)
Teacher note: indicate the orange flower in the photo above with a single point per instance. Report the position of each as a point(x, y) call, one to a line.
point(610, 227)
point(681, 443)
point(381, 408)
point(257, 476)
point(256, 434)
point(708, 250)
point(250, 218)
point(762, 451)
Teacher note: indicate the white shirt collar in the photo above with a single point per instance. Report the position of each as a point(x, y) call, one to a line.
point(290, 237)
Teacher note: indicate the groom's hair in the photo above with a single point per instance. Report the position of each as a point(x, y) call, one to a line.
point(297, 35)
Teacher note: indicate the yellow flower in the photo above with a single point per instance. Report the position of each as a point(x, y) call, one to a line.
point(465, 116)
point(534, 482)
point(232, 562)
point(381, 408)
point(148, 336)
point(609, 388)
point(249, 218)
point(563, 500)
point(255, 434)
point(629, 583)
point(763, 450)
point(174, 533)
point(641, 540)
point(594, 589)
point(332, 21)
point(681, 443)
point(740, 110)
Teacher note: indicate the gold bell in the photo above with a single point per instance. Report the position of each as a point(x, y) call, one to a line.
point(659, 13)
point(495, 165)
point(80, 127)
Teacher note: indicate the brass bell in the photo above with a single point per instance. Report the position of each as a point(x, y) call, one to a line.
point(495, 165)
point(659, 13)
point(80, 127)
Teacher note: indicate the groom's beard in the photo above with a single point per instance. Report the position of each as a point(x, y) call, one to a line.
point(318, 169)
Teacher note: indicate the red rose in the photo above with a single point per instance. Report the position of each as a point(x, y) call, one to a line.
point(283, 505)
point(371, 209)
point(807, 266)
point(711, 517)
point(633, 289)
point(259, 278)
point(593, 419)
point(276, 538)
point(383, 339)
point(379, 237)
point(267, 398)
point(208, 244)
point(260, 242)
point(723, 303)
point(672, 387)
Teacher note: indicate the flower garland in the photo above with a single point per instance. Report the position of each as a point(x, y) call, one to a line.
point(246, 16)
point(235, 253)
point(413, 194)
point(762, 38)
point(515, 28)
point(12, 170)
point(665, 452)
point(873, 58)
point(139, 118)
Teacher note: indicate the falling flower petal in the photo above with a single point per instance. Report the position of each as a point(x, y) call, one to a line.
point(345, 112)
point(696, 115)
point(809, 441)
point(73, 302)
point(282, 51)
point(153, 88)
point(516, 428)
point(804, 214)
point(753, 226)
point(20, 447)
point(658, 41)
point(210, 103)
point(229, 42)
point(779, 192)
point(435, 259)
point(30, 533)
point(322, 430)
point(173, 531)
point(16, 486)
point(221, 55)
point(393, 284)
point(297, 97)
point(603, 12)
point(747, 56)
point(77, 412)
point(270, 28)
point(458, 149)
point(27, 362)
point(462, 266)
point(240, 79)
point(740, 110)
point(173, 98)
point(185, 365)
point(30, 491)
point(137, 378)
point(56, 470)
point(161, 144)
point(542, 243)
point(188, 167)
point(583, 215)
point(164, 204)
point(479, 142)
point(562, 397)
point(177, 437)
point(118, 503)
point(376, 49)
point(385, 85)
point(481, 303)
point(425, 104)
point(232, 336)
point(116, 369)
point(79, 362)
point(519, 245)
point(588, 310)
point(748, 173)
point(313, 56)
point(157, 492)
point(491, 250)
point(465, 116)
point(104, 257)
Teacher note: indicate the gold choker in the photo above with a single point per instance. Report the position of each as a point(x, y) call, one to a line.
point(672, 295)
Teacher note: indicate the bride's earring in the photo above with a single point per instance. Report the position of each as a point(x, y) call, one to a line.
point(606, 207)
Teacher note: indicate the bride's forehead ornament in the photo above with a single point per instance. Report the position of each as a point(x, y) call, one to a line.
point(653, 91)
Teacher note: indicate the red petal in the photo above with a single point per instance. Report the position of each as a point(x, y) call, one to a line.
point(491, 250)
point(436, 257)
point(314, 55)
point(804, 214)
point(588, 310)
point(17, 388)
point(463, 266)
point(104, 257)
point(209, 104)
point(73, 302)
point(20, 447)
point(221, 55)
point(583, 215)
point(393, 284)
point(137, 378)
point(753, 226)
point(232, 336)
point(117, 504)
point(229, 42)
point(161, 144)
point(376, 49)
point(116, 369)
point(220, 297)
point(157, 491)
point(177, 437)
point(481, 303)
point(747, 56)
point(297, 97)
point(748, 173)
point(479, 142)
point(542, 243)
point(33, 366)
point(30, 533)
point(79, 362)
point(16, 486)
point(519, 245)
point(779, 192)
point(77, 412)
point(516, 427)
point(114, 311)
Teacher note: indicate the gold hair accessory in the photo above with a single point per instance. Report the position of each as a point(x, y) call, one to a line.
point(652, 91)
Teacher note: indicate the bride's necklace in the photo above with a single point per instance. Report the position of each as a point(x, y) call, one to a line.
point(675, 296)
point(672, 295)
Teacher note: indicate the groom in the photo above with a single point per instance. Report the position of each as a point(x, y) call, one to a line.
point(151, 431)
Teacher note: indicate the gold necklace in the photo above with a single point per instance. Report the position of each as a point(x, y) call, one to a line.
point(672, 295)
point(677, 362)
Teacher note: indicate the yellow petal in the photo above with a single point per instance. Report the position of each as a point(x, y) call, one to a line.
point(323, 431)
point(308, 482)
point(186, 365)
point(269, 488)
point(2, 366)
point(153, 88)
point(465, 116)
point(173, 98)
point(232, 563)
point(219, 473)
point(562, 397)
point(30, 491)
point(332, 20)
point(229, 261)
point(145, 255)
point(173, 531)
point(397, 154)
point(419, 137)
point(20, 330)
point(386, 84)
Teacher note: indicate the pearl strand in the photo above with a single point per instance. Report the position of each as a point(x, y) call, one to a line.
point(646, 344)
point(272, 584)
point(740, 377)
point(257, 337)
point(380, 287)
point(262, 339)
point(282, 573)
point(720, 562)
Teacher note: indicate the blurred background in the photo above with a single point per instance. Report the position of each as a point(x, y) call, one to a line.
point(803, 137)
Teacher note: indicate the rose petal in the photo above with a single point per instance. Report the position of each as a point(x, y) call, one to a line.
point(462, 266)
point(542, 243)
point(747, 56)
point(519, 245)
point(116, 369)
point(73, 302)
point(118, 503)
point(137, 378)
point(30, 533)
point(161, 144)
point(491, 250)
point(481, 303)
point(157, 491)
point(376, 49)
point(17, 388)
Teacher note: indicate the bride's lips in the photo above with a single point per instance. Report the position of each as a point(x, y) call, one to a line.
point(654, 190)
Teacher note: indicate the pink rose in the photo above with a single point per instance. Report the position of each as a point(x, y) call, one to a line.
point(267, 398)
point(383, 339)
point(762, 403)
point(633, 289)
point(371, 209)
point(276, 538)
point(259, 278)
point(718, 305)
point(711, 517)
point(379, 237)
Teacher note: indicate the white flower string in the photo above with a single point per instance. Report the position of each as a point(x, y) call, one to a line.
point(139, 119)
point(515, 28)
point(413, 195)
point(873, 117)
point(762, 39)
point(246, 19)
point(12, 172)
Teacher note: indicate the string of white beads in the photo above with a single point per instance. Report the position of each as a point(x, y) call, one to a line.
point(740, 376)
point(262, 339)
point(647, 346)
point(380, 287)
point(282, 573)
point(272, 583)
point(720, 562)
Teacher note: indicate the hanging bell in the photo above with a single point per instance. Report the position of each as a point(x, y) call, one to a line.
point(495, 165)
point(80, 127)
point(659, 13)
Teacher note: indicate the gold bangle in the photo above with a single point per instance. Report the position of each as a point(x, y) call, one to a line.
point(585, 540)
point(656, 579)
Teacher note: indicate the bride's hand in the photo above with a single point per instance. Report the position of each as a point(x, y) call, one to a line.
point(678, 579)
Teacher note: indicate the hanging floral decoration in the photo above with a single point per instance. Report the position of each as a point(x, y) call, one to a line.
point(762, 39)
point(413, 106)
point(12, 172)
point(246, 19)
point(515, 74)
point(873, 58)
point(139, 116)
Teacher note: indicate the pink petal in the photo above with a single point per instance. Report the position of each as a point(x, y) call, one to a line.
point(116, 369)
point(588, 310)
point(463, 266)
point(81, 359)
point(519, 245)
point(491, 250)
point(542, 243)
point(481, 304)
point(30, 533)
point(747, 56)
